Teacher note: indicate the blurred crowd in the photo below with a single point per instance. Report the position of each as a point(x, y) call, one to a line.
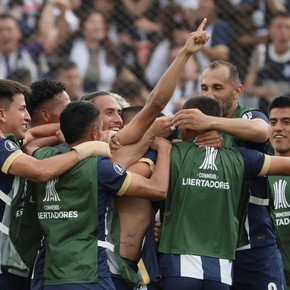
point(125, 46)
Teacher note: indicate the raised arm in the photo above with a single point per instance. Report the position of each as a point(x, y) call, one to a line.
point(164, 89)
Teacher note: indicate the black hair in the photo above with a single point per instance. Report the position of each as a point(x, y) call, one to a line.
point(278, 14)
point(9, 88)
point(128, 113)
point(205, 104)
point(77, 118)
point(60, 65)
point(42, 91)
point(279, 102)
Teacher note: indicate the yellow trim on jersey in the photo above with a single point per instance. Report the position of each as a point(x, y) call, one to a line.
point(149, 161)
point(266, 165)
point(143, 272)
point(125, 184)
point(10, 160)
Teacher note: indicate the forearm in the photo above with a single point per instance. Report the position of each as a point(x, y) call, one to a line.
point(129, 154)
point(43, 170)
point(160, 175)
point(46, 21)
point(30, 147)
point(156, 101)
point(250, 130)
point(41, 131)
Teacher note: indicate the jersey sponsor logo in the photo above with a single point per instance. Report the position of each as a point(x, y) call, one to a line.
point(248, 115)
point(118, 168)
point(205, 183)
point(280, 200)
point(50, 191)
point(209, 160)
point(53, 211)
point(10, 146)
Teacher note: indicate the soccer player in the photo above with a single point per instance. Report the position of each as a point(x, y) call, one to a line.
point(279, 120)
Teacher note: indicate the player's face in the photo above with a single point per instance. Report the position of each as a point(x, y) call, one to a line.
point(110, 112)
point(15, 117)
point(216, 84)
point(279, 120)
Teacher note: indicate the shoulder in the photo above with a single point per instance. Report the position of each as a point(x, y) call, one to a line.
point(250, 113)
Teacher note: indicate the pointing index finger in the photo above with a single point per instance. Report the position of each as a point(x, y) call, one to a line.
point(202, 25)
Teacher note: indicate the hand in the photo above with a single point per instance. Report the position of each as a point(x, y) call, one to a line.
point(159, 143)
point(107, 135)
point(62, 5)
point(161, 127)
point(209, 139)
point(59, 136)
point(192, 119)
point(157, 227)
point(197, 39)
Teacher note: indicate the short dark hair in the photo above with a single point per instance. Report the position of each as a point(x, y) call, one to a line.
point(21, 75)
point(42, 91)
point(76, 119)
point(278, 14)
point(205, 104)
point(9, 88)
point(129, 112)
point(60, 65)
point(279, 102)
point(233, 71)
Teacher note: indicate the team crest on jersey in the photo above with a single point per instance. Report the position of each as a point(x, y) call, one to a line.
point(50, 191)
point(248, 115)
point(279, 191)
point(10, 146)
point(118, 168)
point(209, 160)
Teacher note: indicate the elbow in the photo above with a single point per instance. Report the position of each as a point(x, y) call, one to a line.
point(264, 136)
point(156, 104)
point(161, 194)
point(44, 175)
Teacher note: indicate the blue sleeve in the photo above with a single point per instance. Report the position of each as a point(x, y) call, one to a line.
point(254, 162)
point(7, 147)
point(255, 114)
point(111, 176)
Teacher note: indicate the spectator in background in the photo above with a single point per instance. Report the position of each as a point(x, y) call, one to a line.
point(58, 20)
point(96, 55)
point(22, 75)
point(138, 20)
point(245, 30)
point(67, 72)
point(12, 54)
point(172, 21)
point(269, 71)
point(219, 45)
point(131, 92)
point(26, 12)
